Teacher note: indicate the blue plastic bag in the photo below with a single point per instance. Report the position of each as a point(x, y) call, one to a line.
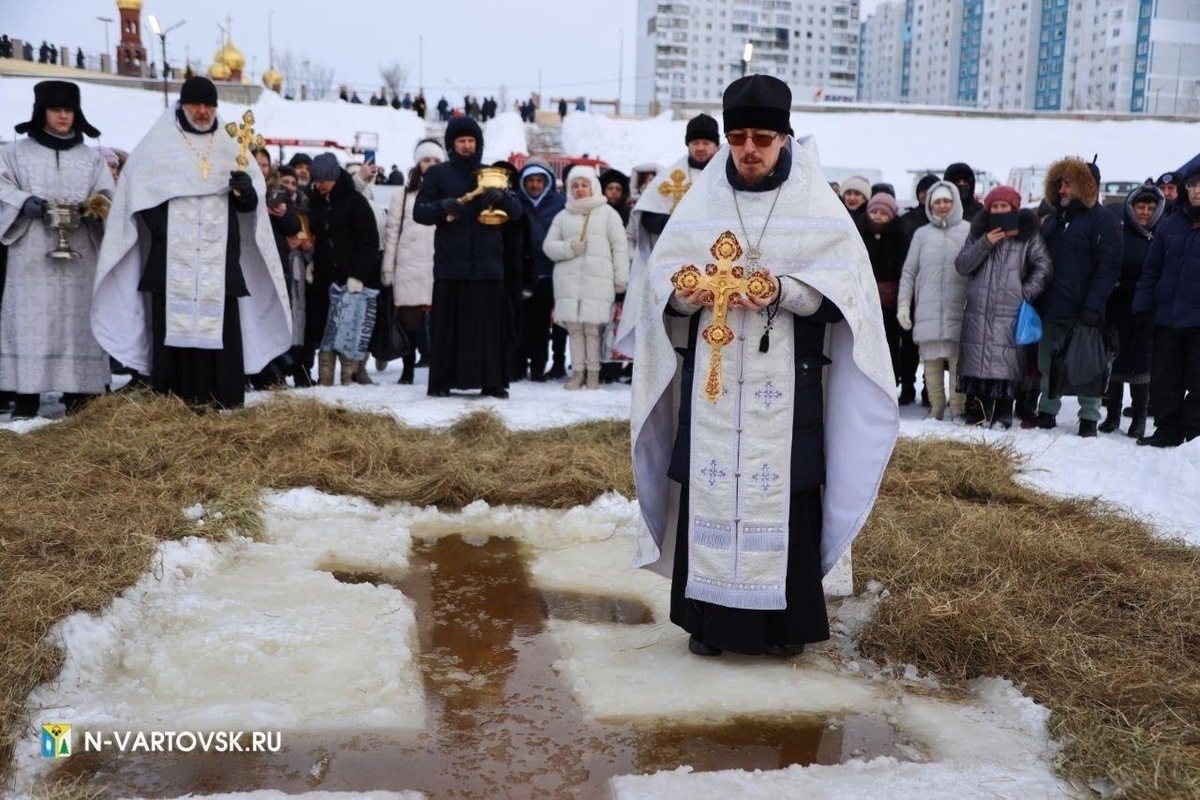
point(1027, 328)
point(350, 322)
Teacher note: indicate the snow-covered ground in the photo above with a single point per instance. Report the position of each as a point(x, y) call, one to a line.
point(259, 635)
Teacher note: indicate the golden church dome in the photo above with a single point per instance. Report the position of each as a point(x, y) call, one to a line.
point(273, 79)
point(218, 71)
point(231, 56)
point(129, 5)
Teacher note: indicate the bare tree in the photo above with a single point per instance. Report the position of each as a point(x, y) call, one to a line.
point(321, 80)
point(394, 75)
point(288, 67)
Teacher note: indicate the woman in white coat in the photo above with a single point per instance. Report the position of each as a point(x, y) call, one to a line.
point(587, 243)
point(408, 253)
point(930, 279)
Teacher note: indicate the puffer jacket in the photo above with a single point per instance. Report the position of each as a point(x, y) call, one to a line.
point(929, 275)
point(408, 253)
point(586, 285)
point(1000, 277)
point(1170, 282)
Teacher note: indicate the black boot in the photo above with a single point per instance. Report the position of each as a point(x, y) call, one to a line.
point(1003, 415)
point(26, 406)
point(1087, 428)
point(558, 370)
point(1141, 401)
point(74, 402)
point(1027, 402)
point(406, 376)
point(1112, 405)
point(975, 412)
point(6, 400)
point(908, 394)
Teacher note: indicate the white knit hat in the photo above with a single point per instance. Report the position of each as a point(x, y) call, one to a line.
point(858, 184)
point(428, 148)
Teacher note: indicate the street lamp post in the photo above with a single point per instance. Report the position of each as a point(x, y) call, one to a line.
point(106, 21)
point(161, 33)
point(747, 54)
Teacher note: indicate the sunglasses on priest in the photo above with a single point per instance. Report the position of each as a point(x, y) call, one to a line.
point(760, 138)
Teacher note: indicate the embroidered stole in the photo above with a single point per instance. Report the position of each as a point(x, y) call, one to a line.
point(197, 238)
point(739, 480)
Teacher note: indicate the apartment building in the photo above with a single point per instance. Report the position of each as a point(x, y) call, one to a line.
point(688, 51)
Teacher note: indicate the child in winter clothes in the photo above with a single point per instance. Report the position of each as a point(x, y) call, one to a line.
point(587, 242)
point(940, 292)
point(1005, 264)
point(887, 246)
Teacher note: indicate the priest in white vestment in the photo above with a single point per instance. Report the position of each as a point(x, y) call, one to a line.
point(759, 445)
point(654, 207)
point(46, 341)
point(189, 288)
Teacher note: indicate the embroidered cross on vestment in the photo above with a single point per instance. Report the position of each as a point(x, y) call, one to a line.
point(675, 188)
point(726, 281)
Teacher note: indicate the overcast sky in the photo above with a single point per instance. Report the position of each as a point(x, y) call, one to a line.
point(567, 47)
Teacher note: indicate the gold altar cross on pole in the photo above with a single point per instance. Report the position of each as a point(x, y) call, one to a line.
point(675, 187)
point(726, 281)
point(246, 138)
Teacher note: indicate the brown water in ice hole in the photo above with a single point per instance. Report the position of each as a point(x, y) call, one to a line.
point(500, 723)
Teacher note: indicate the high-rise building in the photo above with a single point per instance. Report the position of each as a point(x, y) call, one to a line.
point(688, 51)
point(1137, 56)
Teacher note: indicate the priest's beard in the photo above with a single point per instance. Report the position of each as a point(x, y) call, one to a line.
point(194, 125)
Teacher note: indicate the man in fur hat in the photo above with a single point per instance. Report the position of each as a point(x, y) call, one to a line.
point(751, 483)
point(189, 287)
point(1085, 243)
point(46, 341)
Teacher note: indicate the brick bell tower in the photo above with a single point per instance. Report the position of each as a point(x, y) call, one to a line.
point(131, 54)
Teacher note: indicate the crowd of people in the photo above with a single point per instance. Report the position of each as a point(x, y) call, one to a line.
point(770, 326)
point(953, 274)
point(487, 304)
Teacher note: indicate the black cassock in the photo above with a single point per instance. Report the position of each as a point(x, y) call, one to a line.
point(805, 620)
point(199, 376)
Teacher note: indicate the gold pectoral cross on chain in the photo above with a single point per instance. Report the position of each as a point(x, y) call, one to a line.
point(246, 138)
point(675, 188)
point(726, 281)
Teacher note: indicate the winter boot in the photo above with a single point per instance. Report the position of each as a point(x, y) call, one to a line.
point(935, 389)
point(6, 400)
point(74, 402)
point(976, 411)
point(558, 369)
point(1087, 428)
point(578, 358)
point(591, 355)
point(326, 362)
point(347, 369)
point(1141, 400)
point(26, 406)
point(1112, 405)
point(1027, 402)
point(908, 393)
point(406, 376)
point(361, 376)
point(1003, 415)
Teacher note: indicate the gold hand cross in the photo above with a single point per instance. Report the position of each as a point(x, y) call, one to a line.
point(675, 188)
point(246, 138)
point(726, 281)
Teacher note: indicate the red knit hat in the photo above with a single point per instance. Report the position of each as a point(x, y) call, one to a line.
point(1006, 193)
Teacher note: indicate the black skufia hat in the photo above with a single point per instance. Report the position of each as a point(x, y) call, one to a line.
point(56, 94)
point(199, 90)
point(758, 101)
point(702, 126)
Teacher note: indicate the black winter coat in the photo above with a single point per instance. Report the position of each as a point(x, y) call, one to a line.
point(1085, 245)
point(346, 236)
point(465, 249)
point(1170, 282)
point(887, 245)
